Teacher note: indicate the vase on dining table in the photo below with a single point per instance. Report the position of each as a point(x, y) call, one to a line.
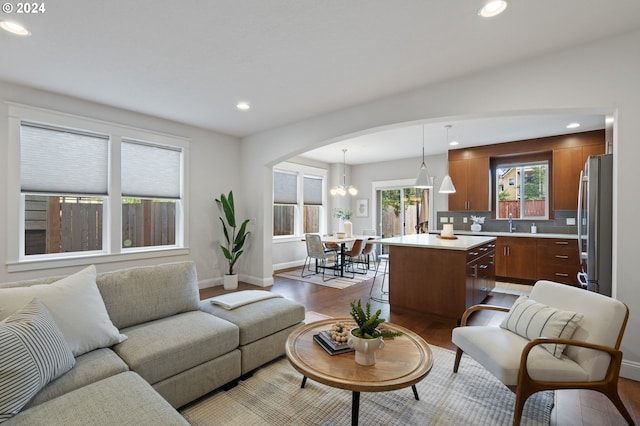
point(348, 229)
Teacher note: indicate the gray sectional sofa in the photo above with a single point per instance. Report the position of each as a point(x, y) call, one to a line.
point(169, 348)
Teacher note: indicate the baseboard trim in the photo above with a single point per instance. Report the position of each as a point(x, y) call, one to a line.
point(630, 370)
point(288, 265)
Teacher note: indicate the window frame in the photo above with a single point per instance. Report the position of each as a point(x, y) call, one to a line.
point(112, 250)
point(301, 171)
point(519, 165)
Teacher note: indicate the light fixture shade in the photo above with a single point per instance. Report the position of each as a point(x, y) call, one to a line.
point(342, 190)
point(447, 186)
point(423, 180)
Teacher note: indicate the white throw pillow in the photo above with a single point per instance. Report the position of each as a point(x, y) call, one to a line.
point(530, 319)
point(76, 306)
point(32, 353)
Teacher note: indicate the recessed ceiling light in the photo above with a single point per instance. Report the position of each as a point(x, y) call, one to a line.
point(573, 125)
point(493, 8)
point(14, 28)
point(454, 143)
point(243, 106)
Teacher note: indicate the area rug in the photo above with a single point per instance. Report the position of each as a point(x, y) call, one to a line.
point(272, 396)
point(337, 282)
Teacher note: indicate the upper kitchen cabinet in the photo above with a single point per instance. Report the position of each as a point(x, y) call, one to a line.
point(567, 164)
point(471, 168)
point(470, 175)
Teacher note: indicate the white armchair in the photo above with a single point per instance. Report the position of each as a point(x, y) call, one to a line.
point(591, 359)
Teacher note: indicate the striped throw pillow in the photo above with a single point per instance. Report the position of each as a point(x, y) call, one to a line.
point(530, 319)
point(33, 352)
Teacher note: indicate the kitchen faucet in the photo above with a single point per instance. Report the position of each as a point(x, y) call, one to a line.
point(512, 227)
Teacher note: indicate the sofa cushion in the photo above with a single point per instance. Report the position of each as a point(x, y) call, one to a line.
point(259, 319)
point(90, 368)
point(75, 304)
point(32, 353)
point(168, 346)
point(142, 294)
point(499, 351)
point(530, 319)
point(123, 399)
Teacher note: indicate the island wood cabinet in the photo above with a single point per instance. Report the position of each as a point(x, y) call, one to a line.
point(440, 282)
point(471, 178)
point(558, 260)
point(516, 257)
point(481, 273)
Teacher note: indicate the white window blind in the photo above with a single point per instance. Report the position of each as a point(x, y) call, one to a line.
point(62, 161)
point(312, 191)
point(285, 188)
point(150, 171)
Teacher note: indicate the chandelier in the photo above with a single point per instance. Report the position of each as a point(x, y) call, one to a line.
point(343, 189)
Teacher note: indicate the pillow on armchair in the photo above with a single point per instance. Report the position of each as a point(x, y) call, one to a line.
point(530, 319)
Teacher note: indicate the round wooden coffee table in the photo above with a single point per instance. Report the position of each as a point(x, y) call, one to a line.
point(403, 362)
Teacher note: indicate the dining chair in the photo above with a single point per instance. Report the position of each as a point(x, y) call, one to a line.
point(368, 252)
point(352, 256)
point(558, 337)
point(316, 251)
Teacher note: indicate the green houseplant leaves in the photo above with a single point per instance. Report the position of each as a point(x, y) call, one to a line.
point(234, 237)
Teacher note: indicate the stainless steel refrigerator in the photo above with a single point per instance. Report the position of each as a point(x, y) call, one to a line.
point(594, 223)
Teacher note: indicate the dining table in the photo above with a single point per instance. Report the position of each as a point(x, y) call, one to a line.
point(342, 242)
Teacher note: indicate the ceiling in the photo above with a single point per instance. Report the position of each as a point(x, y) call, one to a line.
point(192, 61)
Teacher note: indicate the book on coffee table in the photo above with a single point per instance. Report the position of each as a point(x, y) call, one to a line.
point(328, 344)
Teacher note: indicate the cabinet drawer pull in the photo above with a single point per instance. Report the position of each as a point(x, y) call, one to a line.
point(562, 256)
point(560, 274)
point(484, 266)
point(483, 249)
point(562, 243)
point(473, 253)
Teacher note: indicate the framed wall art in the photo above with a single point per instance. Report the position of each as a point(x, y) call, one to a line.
point(362, 207)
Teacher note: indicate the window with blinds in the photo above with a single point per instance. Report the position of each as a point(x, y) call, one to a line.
point(64, 180)
point(67, 182)
point(285, 200)
point(298, 200)
point(151, 192)
point(312, 201)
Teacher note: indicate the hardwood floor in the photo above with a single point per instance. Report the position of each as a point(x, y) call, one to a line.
point(572, 407)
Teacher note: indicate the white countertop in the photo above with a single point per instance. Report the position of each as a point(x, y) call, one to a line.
point(463, 242)
point(515, 234)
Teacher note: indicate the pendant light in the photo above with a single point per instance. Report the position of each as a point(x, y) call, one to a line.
point(447, 184)
point(342, 190)
point(423, 180)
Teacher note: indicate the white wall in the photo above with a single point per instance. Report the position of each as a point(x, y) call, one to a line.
point(601, 76)
point(214, 169)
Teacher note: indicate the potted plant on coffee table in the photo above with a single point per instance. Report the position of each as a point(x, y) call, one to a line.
point(366, 339)
point(234, 237)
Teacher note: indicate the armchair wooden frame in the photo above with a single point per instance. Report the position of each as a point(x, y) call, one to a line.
point(527, 386)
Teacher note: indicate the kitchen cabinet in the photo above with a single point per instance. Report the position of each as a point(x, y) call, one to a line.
point(439, 277)
point(471, 179)
point(558, 260)
point(516, 258)
point(567, 164)
point(480, 272)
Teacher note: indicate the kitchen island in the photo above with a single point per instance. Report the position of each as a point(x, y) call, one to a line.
point(439, 276)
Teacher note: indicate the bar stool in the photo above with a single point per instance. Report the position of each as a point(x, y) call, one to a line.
point(381, 298)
